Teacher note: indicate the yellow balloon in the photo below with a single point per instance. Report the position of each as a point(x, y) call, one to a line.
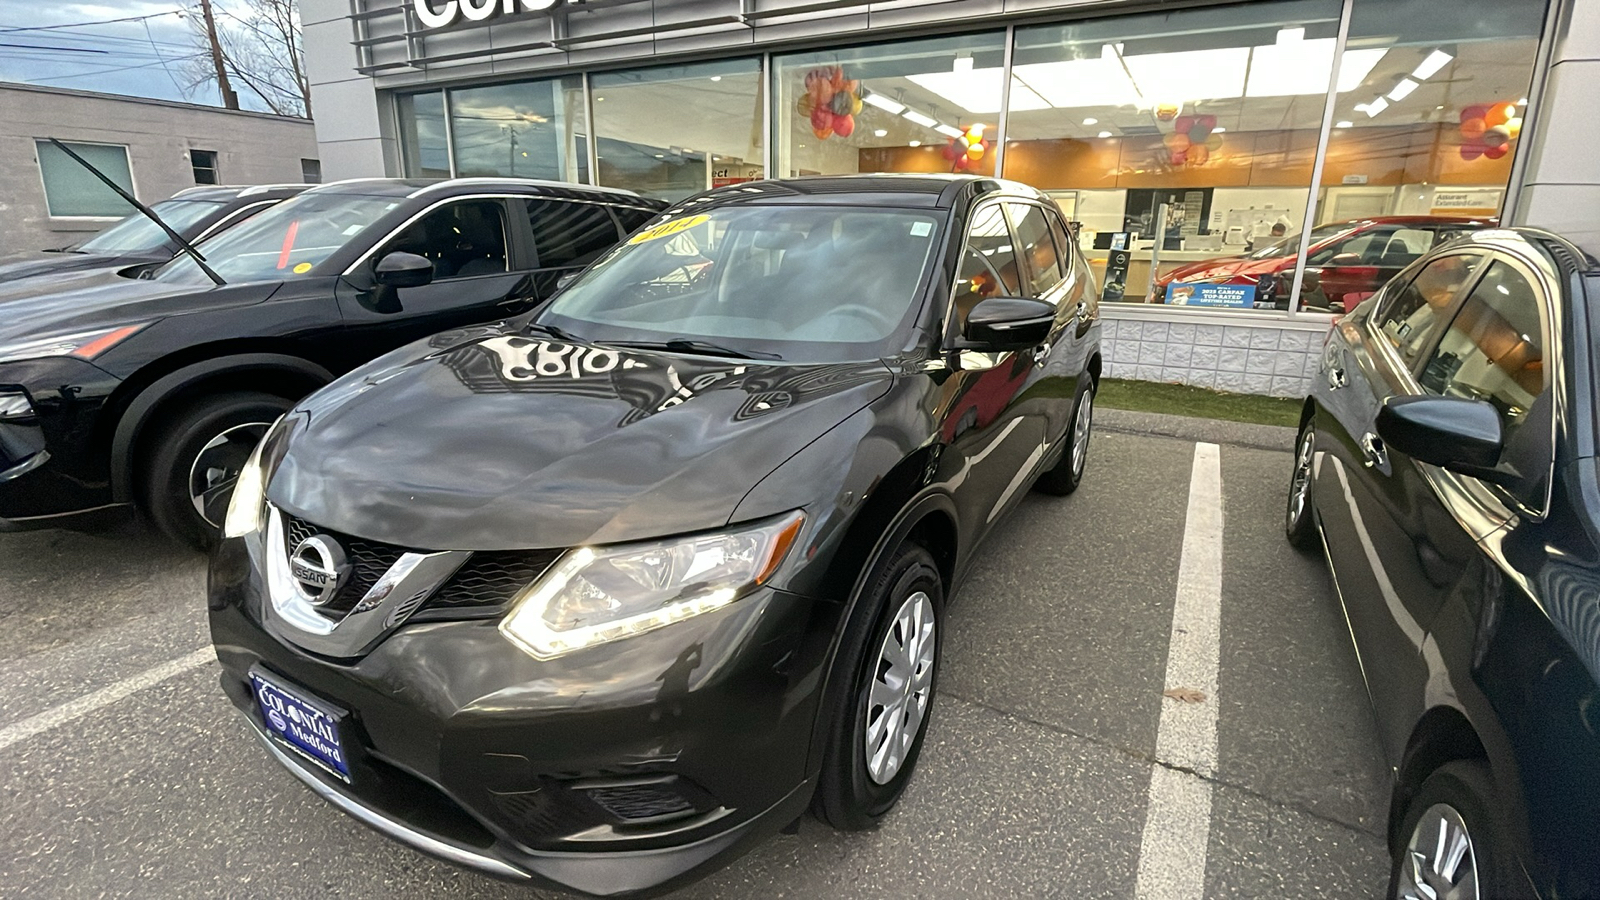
point(975, 152)
point(1514, 126)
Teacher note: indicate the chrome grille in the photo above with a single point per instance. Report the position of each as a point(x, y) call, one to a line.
point(368, 561)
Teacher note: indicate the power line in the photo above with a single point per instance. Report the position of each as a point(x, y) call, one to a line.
point(57, 49)
point(112, 69)
point(170, 12)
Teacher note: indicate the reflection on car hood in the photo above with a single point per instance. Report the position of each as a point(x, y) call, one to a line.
point(497, 441)
point(94, 298)
point(1217, 268)
point(33, 265)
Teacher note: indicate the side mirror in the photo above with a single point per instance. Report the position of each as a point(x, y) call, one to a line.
point(404, 270)
point(1450, 432)
point(999, 324)
point(1345, 259)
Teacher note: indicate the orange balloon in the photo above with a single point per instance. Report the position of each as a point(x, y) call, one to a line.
point(1177, 142)
point(1197, 155)
point(1500, 113)
point(823, 133)
point(1472, 129)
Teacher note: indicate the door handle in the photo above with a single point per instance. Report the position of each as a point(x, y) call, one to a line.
point(1041, 353)
point(1373, 451)
point(1333, 368)
point(1082, 313)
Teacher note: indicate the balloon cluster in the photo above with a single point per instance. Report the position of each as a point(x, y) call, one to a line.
point(1192, 139)
point(968, 148)
point(831, 102)
point(1488, 130)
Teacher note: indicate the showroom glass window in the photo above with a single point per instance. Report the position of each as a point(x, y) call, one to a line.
point(672, 131)
point(1195, 130)
point(72, 190)
point(911, 106)
point(522, 130)
point(423, 143)
point(1428, 132)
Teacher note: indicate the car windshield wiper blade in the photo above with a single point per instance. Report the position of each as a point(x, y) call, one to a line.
point(693, 345)
point(551, 330)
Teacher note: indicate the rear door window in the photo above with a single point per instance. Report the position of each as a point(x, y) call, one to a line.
point(1037, 248)
point(569, 235)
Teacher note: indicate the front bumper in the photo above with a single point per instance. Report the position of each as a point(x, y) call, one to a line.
point(55, 464)
point(625, 769)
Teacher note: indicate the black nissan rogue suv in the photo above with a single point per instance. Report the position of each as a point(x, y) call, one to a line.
point(150, 392)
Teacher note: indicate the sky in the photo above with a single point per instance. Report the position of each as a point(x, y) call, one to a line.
point(140, 58)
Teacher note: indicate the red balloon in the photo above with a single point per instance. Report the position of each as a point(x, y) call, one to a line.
point(1209, 121)
point(1472, 151)
point(962, 163)
point(1183, 124)
point(1472, 129)
point(844, 125)
point(821, 117)
point(1496, 152)
point(1476, 111)
point(1177, 157)
point(951, 152)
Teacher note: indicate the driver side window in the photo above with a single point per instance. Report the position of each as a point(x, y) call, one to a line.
point(988, 267)
point(462, 240)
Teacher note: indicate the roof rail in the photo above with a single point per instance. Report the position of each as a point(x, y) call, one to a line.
point(530, 182)
point(255, 189)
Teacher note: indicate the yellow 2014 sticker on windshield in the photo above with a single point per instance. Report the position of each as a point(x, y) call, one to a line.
point(667, 229)
point(302, 268)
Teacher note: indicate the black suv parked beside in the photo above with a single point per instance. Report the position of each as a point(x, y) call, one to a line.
point(196, 214)
point(150, 392)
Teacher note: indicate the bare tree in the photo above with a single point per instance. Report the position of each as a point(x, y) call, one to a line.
point(261, 51)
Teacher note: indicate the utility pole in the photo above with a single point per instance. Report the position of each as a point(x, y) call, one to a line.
point(229, 98)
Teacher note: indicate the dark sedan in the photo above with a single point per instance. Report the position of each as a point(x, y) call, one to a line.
point(149, 392)
point(601, 596)
point(195, 214)
point(1447, 460)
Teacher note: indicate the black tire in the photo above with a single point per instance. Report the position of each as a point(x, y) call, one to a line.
point(1064, 477)
point(1299, 516)
point(849, 795)
point(1465, 787)
point(173, 457)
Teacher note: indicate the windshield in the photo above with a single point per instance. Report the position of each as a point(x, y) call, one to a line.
point(285, 241)
point(821, 284)
point(1290, 245)
point(137, 234)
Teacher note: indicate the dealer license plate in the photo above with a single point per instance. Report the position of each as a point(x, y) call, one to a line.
point(304, 725)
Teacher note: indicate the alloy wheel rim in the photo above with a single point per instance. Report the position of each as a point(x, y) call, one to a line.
point(902, 685)
point(216, 469)
point(1300, 486)
point(1080, 432)
point(1440, 861)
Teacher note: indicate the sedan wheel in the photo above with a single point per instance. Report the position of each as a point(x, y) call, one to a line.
point(1082, 424)
point(898, 698)
point(1439, 862)
point(1299, 524)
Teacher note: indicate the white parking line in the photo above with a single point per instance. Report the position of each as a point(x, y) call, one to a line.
point(88, 703)
point(1177, 827)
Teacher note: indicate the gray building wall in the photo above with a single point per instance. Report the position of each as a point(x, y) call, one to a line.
point(252, 148)
point(1562, 189)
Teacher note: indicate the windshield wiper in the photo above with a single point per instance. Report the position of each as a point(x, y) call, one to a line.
point(149, 213)
point(551, 330)
point(692, 345)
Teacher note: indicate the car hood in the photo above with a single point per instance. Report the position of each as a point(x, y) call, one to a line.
point(82, 301)
point(1223, 268)
point(31, 265)
point(488, 440)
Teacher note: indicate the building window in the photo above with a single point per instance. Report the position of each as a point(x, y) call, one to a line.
point(311, 171)
point(72, 190)
point(424, 146)
point(205, 166)
point(899, 107)
point(715, 139)
point(523, 130)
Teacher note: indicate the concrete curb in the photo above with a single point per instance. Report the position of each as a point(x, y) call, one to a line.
point(1216, 431)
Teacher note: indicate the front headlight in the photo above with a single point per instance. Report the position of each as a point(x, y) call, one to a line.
point(596, 595)
point(248, 503)
point(82, 344)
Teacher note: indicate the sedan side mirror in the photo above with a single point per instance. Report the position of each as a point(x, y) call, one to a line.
point(999, 324)
point(1450, 432)
point(404, 270)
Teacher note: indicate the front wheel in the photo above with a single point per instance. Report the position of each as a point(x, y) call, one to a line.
point(195, 459)
point(1299, 519)
point(1454, 849)
point(1064, 477)
point(883, 689)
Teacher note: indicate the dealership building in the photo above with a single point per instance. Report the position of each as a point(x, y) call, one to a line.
point(1172, 133)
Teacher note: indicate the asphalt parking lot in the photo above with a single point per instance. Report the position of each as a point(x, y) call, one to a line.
point(1050, 769)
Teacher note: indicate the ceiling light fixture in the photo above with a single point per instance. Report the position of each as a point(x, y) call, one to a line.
point(1091, 121)
point(913, 143)
point(1376, 106)
point(1429, 66)
point(962, 64)
point(884, 103)
point(922, 119)
point(1402, 90)
point(1344, 123)
point(716, 78)
point(948, 130)
point(1105, 134)
point(880, 132)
